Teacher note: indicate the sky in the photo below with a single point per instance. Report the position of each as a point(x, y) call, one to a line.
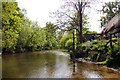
point(39, 10)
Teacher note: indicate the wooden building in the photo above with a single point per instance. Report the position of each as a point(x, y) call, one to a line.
point(113, 26)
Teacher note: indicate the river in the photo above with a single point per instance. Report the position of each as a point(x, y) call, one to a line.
point(50, 64)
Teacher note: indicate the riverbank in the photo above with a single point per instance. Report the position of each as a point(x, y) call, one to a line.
point(97, 63)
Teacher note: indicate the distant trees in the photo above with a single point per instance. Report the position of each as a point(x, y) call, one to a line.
point(19, 34)
point(51, 36)
point(31, 37)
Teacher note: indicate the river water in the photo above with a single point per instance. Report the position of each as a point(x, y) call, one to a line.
point(50, 64)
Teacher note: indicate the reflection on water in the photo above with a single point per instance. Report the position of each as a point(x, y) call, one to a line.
point(37, 65)
point(49, 64)
point(91, 74)
point(85, 70)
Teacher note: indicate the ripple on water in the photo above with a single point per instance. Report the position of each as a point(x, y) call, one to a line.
point(60, 53)
point(52, 64)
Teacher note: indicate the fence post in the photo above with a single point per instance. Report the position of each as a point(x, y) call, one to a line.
point(73, 51)
point(111, 43)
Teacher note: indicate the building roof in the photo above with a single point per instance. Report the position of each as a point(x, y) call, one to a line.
point(113, 25)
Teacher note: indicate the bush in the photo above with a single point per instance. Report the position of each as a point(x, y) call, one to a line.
point(102, 51)
point(69, 45)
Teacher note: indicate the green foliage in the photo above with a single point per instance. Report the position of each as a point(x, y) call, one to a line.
point(19, 34)
point(50, 31)
point(110, 9)
point(86, 45)
point(24, 36)
point(99, 45)
point(111, 62)
point(101, 51)
point(94, 56)
point(0, 40)
point(63, 41)
point(94, 45)
point(11, 21)
point(69, 45)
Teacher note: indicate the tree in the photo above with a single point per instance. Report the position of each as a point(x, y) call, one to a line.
point(11, 21)
point(24, 36)
point(109, 10)
point(20, 34)
point(38, 39)
point(51, 36)
point(72, 14)
point(0, 41)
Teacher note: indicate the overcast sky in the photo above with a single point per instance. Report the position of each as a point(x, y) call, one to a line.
point(39, 10)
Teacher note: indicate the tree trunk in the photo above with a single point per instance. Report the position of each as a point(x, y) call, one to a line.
point(80, 21)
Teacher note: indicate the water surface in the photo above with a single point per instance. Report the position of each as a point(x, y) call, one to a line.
point(50, 64)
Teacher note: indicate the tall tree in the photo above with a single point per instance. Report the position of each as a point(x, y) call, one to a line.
point(72, 14)
point(11, 22)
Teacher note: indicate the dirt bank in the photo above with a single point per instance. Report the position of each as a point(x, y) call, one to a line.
point(96, 63)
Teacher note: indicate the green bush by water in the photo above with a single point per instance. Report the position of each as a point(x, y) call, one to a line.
point(100, 51)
